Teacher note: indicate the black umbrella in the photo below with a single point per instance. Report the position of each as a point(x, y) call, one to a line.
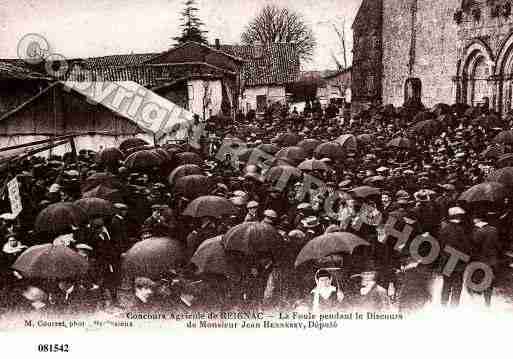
point(101, 178)
point(332, 150)
point(328, 244)
point(485, 192)
point(182, 171)
point(110, 156)
point(132, 142)
point(295, 154)
point(95, 207)
point(142, 160)
point(364, 191)
point(48, 261)
point(211, 258)
point(210, 206)
point(252, 239)
point(59, 217)
point(185, 158)
point(153, 258)
point(193, 186)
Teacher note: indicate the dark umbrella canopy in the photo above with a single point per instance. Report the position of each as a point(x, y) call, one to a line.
point(48, 261)
point(110, 156)
point(505, 160)
point(295, 154)
point(373, 180)
point(309, 145)
point(252, 239)
point(186, 158)
point(131, 143)
point(485, 192)
point(364, 191)
point(153, 258)
point(253, 156)
point(492, 152)
point(328, 244)
point(269, 148)
point(313, 165)
point(504, 137)
point(332, 150)
point(101, 178)
point(427, 128)
point(110, 194)
point(282, 173)
point(95, 207)
point(193, 186)
point(348, 142)
point(59, 217)
point(287, 139)
point(210, 206)
point(211, 258)
point(143, 160)
point(365, 138)
point(400, 142)
point(182, 171)
point(503, 175)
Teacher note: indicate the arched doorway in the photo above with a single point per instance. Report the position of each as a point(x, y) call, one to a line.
point(475, 74)
point(504, 72)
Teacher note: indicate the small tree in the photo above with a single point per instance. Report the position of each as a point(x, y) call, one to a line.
point(191, 27)
point(276, 24)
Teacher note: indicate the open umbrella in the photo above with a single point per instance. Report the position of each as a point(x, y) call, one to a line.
point(211, 258)
point(313, 165)
point(142, 160)
point(95, 207)
point(210, 206)
point(110, 194)
point(193, 186)
point(59, 217)
point(295, 154)
point(365, 138)
point(400, 142)
point(253, 156)
point(48, 261)
point(504, 137)
point(269, 148)
point(132, 142)
point(309, 145)
point(503, 175)
point(186, 158)
point(505, 160)
point(153, 257)
point(428, 128)
point(110, 156)
point(183, 170)
point(485, 192)
point(287, 139)
point(101, 178)
point(328, 244)
point(495, 151)
point(364, 191)
point(374, 180)
point(348, 142)
point(283, 173)
point(164, 155)
point(332, 150)
point(252, 239)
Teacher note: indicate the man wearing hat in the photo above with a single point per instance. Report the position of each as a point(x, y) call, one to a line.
point(454, 233)
point(311, 227)
point(372, 296)
point(118, 227)
point(270, 216)
point(252, 215)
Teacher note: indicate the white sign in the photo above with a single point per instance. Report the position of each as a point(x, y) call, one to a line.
point(14, 196)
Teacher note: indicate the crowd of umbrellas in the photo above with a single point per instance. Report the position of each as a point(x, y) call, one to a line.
point(201, 229)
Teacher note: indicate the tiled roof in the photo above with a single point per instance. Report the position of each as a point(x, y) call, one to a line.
point(274, 64)
point(267, 64)
point(117, 60)
point(10, 71)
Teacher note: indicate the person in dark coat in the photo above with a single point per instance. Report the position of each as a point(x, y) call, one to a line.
point(486, 244)
point(454, 234)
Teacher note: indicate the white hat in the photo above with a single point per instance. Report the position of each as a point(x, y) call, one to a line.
point(63, 240)
point(454, 211)
point(54, 188)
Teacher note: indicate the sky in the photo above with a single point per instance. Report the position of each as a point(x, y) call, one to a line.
point(87, 28)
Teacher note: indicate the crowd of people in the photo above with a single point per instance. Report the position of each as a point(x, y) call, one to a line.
point(235, 222)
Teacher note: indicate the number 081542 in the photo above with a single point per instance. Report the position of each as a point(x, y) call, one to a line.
point(53, 348)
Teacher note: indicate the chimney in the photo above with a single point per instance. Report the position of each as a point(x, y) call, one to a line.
point(218, 44)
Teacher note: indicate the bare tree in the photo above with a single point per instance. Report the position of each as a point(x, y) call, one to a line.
point(275, 24)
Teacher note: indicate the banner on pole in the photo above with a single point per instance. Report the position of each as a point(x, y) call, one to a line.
point(14, 196)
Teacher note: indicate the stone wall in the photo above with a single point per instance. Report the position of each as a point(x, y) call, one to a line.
point(436, 49)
